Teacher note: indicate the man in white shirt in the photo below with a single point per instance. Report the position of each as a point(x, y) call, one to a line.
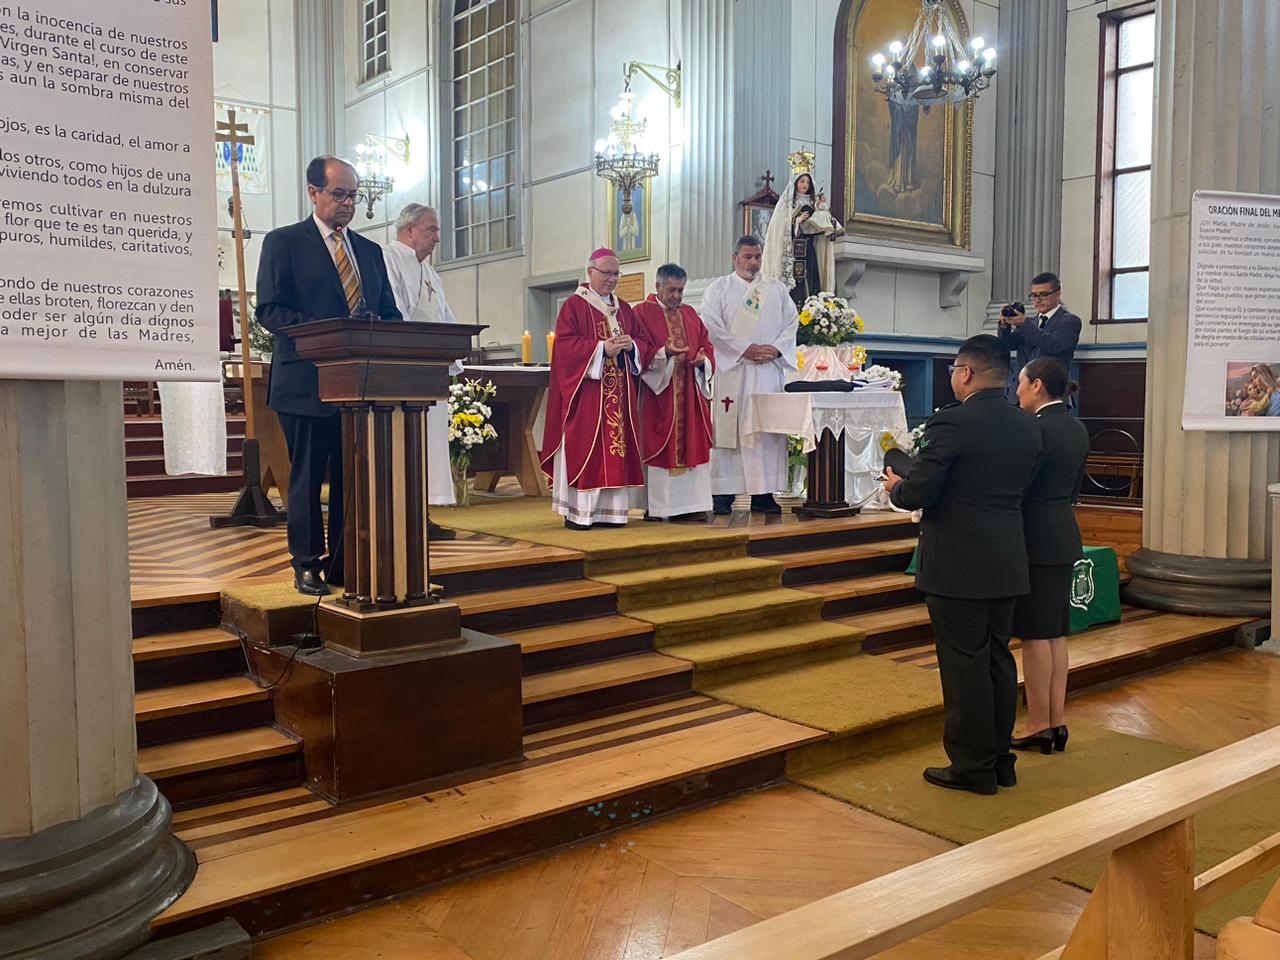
point(752, 322)
point(419, 294)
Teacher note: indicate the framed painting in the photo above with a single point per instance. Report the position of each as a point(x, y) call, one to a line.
point(906, 166)
point(629, 217)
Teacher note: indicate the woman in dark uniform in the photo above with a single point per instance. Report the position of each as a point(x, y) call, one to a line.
point(1042, 618)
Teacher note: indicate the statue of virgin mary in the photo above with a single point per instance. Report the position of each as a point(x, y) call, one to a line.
point(797, 244)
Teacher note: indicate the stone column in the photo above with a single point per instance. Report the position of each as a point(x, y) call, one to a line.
point(86, 857)
point(707, 202)
point(1030, 98)
point(1205, 516)
point(761, 101)
point(322, 58)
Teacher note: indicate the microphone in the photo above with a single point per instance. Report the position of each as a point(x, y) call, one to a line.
point(362, 311)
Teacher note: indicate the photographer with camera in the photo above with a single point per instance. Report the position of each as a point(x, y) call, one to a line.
point(1053, 332)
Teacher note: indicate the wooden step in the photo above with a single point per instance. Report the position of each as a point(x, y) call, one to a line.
point(517, 608)
point(725, 616)
point(163, 485)
point(206, 768)
point(856, 560)
point(580, 641)
point(860, 594)
point(768, 540)
point(199, 709)
point(891, 627)
point(332, 861)
point(186, 656)
point(573, 693)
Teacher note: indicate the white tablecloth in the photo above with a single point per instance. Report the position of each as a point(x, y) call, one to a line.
point(864, 415)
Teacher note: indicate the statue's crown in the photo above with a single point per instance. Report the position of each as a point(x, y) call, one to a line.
point(801, 162)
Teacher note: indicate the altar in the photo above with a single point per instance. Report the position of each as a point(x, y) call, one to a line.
point(863, 416)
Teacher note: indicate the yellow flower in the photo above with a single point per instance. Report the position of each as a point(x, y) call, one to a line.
point(474, 419)
point(806, 318)
point(799, 360)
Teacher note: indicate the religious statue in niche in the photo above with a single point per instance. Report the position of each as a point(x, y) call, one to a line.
point(906, 165)
point(629, 230)
point(798, 244)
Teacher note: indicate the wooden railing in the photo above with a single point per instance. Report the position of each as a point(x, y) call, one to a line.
point(1143, 905)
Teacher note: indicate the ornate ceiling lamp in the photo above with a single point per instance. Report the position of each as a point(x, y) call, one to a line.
point(935, 63)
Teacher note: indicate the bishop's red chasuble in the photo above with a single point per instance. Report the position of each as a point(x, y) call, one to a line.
point(677, 421)
point(594, 419)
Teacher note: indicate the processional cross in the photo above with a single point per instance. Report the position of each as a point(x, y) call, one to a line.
point(229, 131)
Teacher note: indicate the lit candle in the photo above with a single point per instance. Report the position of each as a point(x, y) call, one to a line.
point(551, 345)
point(526, 348)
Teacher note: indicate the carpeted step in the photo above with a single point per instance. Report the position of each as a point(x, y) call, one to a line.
point(683, 582)
point(727, 616)
point(727, 658)
point(644, 557)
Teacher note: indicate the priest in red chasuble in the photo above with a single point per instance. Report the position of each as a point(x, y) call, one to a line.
point(675, 402)
point(590, 444)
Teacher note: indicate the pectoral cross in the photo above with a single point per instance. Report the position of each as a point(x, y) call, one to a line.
point(229, 131)
point(728, 402)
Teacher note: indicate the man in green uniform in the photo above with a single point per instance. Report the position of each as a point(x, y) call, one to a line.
point(975, 463)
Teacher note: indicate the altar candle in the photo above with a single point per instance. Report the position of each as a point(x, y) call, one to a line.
point(551, 345)
point(526, 348)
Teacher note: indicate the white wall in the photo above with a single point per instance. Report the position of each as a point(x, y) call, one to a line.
point(1079, 166)
point(892, 300)
point(255, 66)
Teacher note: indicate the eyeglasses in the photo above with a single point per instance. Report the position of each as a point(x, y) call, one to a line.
point(611, 274)
point(343, 196)
point(952, 368)
point(1042, 296)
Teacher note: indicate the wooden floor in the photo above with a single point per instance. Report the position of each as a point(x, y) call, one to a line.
point(655, 889)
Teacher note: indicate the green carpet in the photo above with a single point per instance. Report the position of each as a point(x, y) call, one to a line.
point(609, 549)
point(1096, 760)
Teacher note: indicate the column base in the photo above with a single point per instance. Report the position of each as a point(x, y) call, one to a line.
point(1203, 585)
point(90, 888)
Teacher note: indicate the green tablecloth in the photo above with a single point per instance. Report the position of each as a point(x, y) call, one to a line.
point(1095, 588)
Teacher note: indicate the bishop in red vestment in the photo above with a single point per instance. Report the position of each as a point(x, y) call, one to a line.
point(675, 402)
point(590, 444)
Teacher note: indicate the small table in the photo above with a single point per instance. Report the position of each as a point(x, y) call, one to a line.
point(521, 394)
point(826, 422)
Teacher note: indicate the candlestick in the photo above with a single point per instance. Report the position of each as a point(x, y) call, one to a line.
point(551, 345)
point(526, 348)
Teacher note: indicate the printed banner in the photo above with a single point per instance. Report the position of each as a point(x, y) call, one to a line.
point(108, 263)
point(1233, 328)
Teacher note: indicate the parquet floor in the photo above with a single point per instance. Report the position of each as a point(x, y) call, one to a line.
point(175, 555)
point(652, 890)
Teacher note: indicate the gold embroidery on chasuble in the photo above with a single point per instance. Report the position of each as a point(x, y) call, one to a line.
point(611, 397)
point(676, 339)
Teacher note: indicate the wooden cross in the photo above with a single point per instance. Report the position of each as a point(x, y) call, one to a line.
point(234, 133)
point(767, 179)
point(728, 402)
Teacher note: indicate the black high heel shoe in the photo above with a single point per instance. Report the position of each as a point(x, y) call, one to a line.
point(1042, 739)
point(1060, 738)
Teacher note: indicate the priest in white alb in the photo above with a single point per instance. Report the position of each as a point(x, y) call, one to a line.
point(752, 322)
point(419, 295)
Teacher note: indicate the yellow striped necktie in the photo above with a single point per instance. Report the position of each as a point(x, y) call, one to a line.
point(346, 271)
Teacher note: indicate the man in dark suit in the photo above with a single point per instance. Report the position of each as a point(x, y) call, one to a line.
point(975, 463)
point(1053, 332)
point(316, 270)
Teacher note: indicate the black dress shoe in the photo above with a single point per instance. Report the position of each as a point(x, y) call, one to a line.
point(1041, 740)
point(946, 777)
point(570, 525)
point(699, 517)
point(308, 583)
point(1060, 738)
point(437, 532)
point(649, 519)
point(1005, 776)
point(722, 504)
point(764, 503)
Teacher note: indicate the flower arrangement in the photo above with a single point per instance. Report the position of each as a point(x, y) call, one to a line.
point(880, 372)
point(828, 320)
point(469, 427)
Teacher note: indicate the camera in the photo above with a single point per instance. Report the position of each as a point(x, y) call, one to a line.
point(1012, 310)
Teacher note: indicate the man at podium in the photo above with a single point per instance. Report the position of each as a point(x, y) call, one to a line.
point(316, 270)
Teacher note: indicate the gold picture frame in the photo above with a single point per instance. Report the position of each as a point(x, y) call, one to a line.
point(630, 249)
point(873, 200)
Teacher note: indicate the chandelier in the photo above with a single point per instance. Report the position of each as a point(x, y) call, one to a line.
point(949, 69)
point(372, 169)
point(619, 158)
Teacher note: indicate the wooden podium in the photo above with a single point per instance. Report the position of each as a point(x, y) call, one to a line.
point(384, 374)
point(401, 693)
